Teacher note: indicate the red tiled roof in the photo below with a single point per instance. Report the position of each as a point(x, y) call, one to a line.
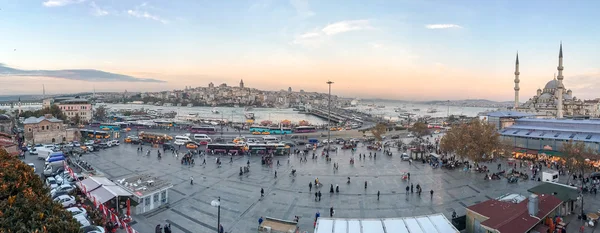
point(507, 217)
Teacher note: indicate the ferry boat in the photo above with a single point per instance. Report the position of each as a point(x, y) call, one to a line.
point(249, 115)
point(381, 106)
point(416, 109)
point(399, 110)
point(215, 111)
point(431, 110)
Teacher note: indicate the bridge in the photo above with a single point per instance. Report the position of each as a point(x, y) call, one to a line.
point(15, 103)
point(324, 115)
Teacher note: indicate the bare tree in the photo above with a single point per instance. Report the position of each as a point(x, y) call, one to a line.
point(476, 141)
point(378, 131)
point(420, 129)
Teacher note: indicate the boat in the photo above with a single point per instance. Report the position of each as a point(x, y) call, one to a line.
point(399, 110)
point(249, 115)
point(190, 105)
point(215, 111)
point(248, 108)
point(416, 109)
point(381, 106)
point(236, 106)
point(431, 110)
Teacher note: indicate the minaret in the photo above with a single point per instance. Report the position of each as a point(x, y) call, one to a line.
point(560, 86)
point(20, 111)
point(241, 83)
point(517, 83)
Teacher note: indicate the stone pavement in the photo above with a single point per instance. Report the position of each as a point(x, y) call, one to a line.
point(287, 196)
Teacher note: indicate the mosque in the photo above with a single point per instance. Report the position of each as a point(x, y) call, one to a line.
point(553, 101)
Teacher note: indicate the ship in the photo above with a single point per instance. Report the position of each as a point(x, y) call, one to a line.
point(432, 110)
point(249, 115)
point(416, 109)
point(215, 111)
point(248, 108)
point(399, 110)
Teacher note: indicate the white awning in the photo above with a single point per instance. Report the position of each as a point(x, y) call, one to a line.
point(436, 223)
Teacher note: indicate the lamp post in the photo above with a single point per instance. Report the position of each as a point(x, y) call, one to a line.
point(217, 203)
point(329, 118)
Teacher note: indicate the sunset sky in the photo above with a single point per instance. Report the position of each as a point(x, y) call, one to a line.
point(411, 50)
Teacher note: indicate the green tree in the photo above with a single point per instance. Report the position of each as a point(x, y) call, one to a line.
point(25, 204)
point(476, 141)
point(54, 110)
point(420, 129)
point(76, 119)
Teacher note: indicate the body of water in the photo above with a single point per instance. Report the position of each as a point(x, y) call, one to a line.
point(442, 110)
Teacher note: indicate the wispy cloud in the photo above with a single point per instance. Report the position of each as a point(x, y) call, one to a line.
point(318, 36)
point(97, 11)
point(57, 3)
point(74, 74)
point(376, 45)
point(442, 26)
point(302, 8)
point(141, 12)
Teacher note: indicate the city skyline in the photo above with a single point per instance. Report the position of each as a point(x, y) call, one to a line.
point(383, 50)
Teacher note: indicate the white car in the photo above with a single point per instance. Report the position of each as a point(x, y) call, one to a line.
point(77, 211)
point(65, 187)
point(66, 201)
point(405, 157)
point(410, 135)
point(76, 143)
point(33, 151)
point(114, 142)
point(82, 219)
point(92, 229)
point(89, 146)
point(59, 179)
point(32, 166)
point(51, 182)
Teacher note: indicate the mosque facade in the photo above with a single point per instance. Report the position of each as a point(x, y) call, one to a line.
point(553, 100)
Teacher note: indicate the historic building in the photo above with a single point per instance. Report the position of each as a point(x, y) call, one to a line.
point(6, 124)
point(46, 129)
point(553, 100)
point(77, 107)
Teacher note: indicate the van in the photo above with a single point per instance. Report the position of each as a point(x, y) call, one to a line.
point(181, 140)
point(202, 138)
point(55, 159)
point(54, 155)
point(268, 139)
point(43, 153)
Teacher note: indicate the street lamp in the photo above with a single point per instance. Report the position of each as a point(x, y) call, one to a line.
point(217, 203)
point(329, 118)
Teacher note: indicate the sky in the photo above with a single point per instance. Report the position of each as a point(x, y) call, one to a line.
point(396, 49)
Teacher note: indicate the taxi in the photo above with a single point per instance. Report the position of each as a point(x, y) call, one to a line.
point(255, 133)
point(266, 133)
point(191, 146)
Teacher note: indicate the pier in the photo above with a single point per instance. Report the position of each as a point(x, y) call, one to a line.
point(336, 118)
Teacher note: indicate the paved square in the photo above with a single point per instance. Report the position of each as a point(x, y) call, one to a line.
point(287, 196)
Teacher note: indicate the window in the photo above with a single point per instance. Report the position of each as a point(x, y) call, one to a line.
point(163, 195)
point(29, 129)
point(588, 137)
point(147, 201)
point(572, 136)
point(156, 197)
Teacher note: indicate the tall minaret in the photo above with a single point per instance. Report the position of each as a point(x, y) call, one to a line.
point(20, 110)
point(560, 87)
point(517, 83)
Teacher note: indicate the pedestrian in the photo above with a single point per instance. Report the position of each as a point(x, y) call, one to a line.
point(378, 195)
point(365, 184)
point(411, 188)
point(262, 192)
point(275, 174)
point(221, 229)
point(431, 192)
point(309, 186)
point(331, 212)
point(316, 195)
point(407, 189)
point(191, 180)
point(260, 221)
point(320, 194)
point(408, 174)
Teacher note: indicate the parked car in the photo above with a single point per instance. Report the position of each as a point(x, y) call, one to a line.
point(114, 142)
point(83, 220)
point(405, 157)
point(51, 182)
point(92, 229)
point(58, 194)
point(32, 151)
point(66, 200)
point(410, 135)
point(288, 143)
point(102, 145)
point(64, 187)
point(396, 136)
point(77, 211)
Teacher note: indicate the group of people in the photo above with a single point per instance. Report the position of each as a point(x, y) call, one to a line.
point(165, 229)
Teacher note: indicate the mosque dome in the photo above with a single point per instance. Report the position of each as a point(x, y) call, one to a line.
point(545, 96)
point(553, 84)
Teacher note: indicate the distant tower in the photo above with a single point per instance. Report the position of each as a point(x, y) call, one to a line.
point(20, 111)
point(44, 91)
point(241, 83)
point(289, 89)
point(560, 86)
point(517, 83)
point(211, 85)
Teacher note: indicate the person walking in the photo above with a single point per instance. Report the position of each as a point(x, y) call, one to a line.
point(411, 188)
point(262, 192)
point(378, 195)
point(191, 180)
point(260, 221)
point(310, 186)
point(275, 174)
point(365, 184)
point(431, 192)
point(407, 189)
point(316, 195)
point(331, 212)
point(320, 194)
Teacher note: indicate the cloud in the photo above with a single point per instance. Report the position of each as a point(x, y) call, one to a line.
point(442, 26)
point(141, 12)
point(302, 8)
point(318, 36)
point(375, 45)
point(75, 74)
point(346, 26)
point(57, 3)
point(97, 11)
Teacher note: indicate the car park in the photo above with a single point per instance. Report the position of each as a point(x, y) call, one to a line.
point(64, 187)
point(77, 211)
point(66, 200)
point(51, 182)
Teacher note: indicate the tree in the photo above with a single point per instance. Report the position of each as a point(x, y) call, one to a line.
point(476, 141)
point(420, 129)
point(76, 119)
point(575, 155)
point(378, 131)
point(25, 204)
point(100, 113)
point(54, 110)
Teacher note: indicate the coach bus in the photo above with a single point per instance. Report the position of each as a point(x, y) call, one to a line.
point(270, 130)
point(154, 137)
point(235, 149)
point(305, 129)
point(203, 130)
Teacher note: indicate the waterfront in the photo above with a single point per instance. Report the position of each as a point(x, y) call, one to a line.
point(442, 110)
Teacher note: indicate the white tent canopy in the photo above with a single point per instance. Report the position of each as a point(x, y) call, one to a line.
point(436, 223)
point(102, 188)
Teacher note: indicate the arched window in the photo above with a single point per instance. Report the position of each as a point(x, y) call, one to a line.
point(53, 140)
point(29, 129)
point(64, 139)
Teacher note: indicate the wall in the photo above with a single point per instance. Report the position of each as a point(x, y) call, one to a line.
point(45, 132)
point(471, 217)
point(152, 201)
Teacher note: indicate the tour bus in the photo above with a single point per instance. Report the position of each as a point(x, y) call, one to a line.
point(203, 130)
point(305, 129)
point(92, 134)
point(154, 137)
point(110, 126)
point(235, 149)
point(271, 130)
point(182, 140)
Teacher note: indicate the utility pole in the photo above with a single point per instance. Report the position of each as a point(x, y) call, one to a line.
point(222, 125)
point(329, 118)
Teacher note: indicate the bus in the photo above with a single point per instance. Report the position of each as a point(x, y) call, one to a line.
point(278, 149)
point(203, 130)
point(159, 138)
point(234, 149)
point(271, 130)
point(305, 129)
point(92, 134)
point(164, 123)
point(110, 126)
point(137, 125)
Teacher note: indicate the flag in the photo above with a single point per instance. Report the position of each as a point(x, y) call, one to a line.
point(128, 207)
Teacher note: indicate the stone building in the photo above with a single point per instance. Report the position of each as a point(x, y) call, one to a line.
point(74, 107)
point(553, 100)
point(6, 124)
point(46, 129)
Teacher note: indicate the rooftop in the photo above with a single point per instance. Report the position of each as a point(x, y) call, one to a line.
point(144, 184)
point(74, 101)
point(102, 188)
point(561, 191)
point(514, 217)
point(435, 223)
point(36, 120)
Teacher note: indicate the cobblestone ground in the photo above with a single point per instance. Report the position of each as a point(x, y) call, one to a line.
point(287, 196)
